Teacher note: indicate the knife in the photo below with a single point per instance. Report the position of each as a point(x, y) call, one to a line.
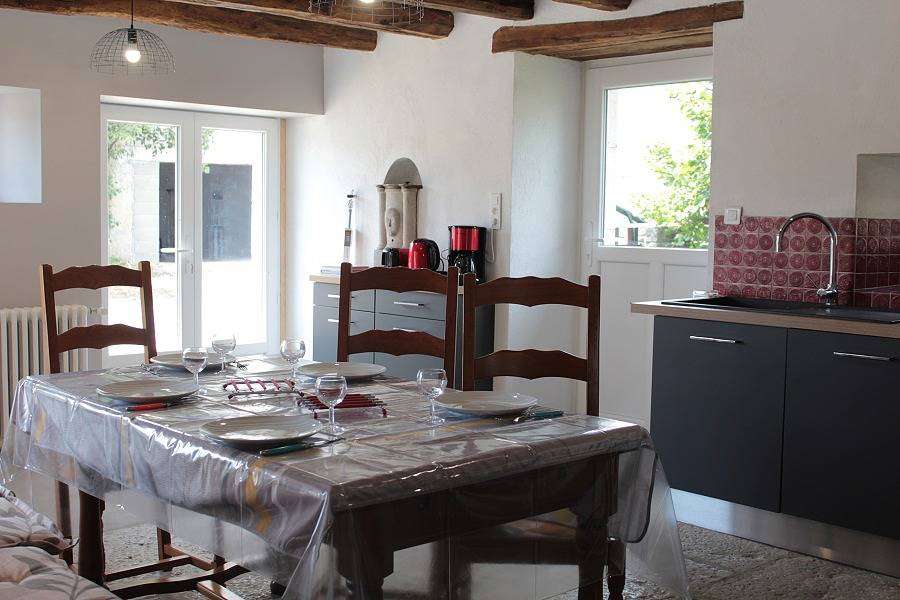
point(296, 447)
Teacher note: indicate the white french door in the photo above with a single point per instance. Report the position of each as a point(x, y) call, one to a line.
point(196, 194)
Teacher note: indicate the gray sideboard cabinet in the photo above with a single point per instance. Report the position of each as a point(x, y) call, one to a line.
point(384, 309)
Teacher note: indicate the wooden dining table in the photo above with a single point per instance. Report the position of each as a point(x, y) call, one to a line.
point(343, 509)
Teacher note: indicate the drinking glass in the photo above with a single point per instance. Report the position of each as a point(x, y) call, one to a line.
point(331, 390)
point(222, 344)
point(431, 384)
point(194, 360)
point(292, 351)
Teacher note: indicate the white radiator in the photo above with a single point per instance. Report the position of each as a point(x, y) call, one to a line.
point(22, 347)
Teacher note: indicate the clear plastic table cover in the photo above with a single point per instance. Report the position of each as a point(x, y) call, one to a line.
point(291, 516)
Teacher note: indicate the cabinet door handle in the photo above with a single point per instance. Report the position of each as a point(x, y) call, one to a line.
point(338, 296)
point(700, 338)
point(336, 321)
point(864, 356)
point(402, 303)
point(403, 329)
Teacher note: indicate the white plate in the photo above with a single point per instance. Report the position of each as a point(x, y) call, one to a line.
point(351, 371)
point(261, 431)
point(485, 404)
point(148, 390)
point(172, 360)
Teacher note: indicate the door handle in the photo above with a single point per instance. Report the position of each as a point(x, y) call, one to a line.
point(402, 303)
point(864, 356)
point(701, 338)
point(403, 329)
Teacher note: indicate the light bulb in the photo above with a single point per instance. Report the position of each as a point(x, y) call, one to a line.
point(367, 1)
point(133, 55)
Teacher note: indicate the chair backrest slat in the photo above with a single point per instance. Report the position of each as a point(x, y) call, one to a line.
point(95, 336)
point(534, 364)
point(399, 342)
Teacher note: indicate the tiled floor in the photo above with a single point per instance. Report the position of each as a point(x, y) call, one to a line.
point(720, 567)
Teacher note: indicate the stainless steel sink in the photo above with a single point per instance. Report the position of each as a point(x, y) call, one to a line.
point(784, 307)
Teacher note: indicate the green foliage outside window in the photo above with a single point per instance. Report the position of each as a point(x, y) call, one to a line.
point(681, 211)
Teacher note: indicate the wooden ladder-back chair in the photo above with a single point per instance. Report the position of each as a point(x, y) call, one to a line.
point(533, 364)
point(100, 336)
point(399, 342)
point(558, 544)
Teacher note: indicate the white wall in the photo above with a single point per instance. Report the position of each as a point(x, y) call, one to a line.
point(445, 104)
point(20, 145)
point(801, 88)
point(545, 212)
point(50, 53)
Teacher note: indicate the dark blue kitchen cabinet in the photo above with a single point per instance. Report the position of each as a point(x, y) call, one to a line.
point(717, 408)
point(841, 422)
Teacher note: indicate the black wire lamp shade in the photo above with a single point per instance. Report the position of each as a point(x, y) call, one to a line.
point(132, 51)
point(398, 12)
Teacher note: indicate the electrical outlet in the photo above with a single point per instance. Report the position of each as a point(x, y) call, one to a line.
point(496, 208)
point(733, 215)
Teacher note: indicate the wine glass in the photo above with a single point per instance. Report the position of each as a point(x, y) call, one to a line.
point(431, 384)
point(222, 344)
point(292, 351)
point(194, 360)
point(331, 389)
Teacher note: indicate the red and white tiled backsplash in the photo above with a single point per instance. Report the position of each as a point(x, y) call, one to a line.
point(868, 260)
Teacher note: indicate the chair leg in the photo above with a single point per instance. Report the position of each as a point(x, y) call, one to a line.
point(163, 540)
point(615, 564)
point(64, 517)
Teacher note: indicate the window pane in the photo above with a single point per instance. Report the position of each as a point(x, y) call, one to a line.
point(234, 273)
point(656, 177)
point(141, 192)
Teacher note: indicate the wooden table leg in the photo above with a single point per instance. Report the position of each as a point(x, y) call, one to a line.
point(91, 558)
point(592, 542)
point(615, 565)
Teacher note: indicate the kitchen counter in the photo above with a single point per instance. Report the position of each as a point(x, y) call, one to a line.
point(812, 323)
point(336, 280)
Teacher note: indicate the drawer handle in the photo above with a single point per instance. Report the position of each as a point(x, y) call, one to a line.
point(336, 321)
point(403, 329)
point(864, 356)
point(700, 338)
point(338, 296)
point(402, 303)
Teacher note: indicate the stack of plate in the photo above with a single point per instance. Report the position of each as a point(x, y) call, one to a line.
point(143, 391)
point(485, 404)
point(261, 432)
point(348, 370)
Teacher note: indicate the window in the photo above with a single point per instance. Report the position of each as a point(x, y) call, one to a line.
point(654, 162)
point(196, 195)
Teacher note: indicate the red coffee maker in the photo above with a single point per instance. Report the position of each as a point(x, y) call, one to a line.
point(467, 243)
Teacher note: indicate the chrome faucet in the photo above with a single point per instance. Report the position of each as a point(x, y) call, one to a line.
point(830, 293)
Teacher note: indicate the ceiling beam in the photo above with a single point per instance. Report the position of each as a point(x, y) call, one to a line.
point(513, 10)
point(587, 40)
point(434, 23)
point(600, 4)
point(209, 19)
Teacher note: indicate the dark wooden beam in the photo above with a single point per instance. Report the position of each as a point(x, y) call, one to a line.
point(434, 23)
point(513, 10)
point(587, 40)
point(600, 4)
point(209, 19)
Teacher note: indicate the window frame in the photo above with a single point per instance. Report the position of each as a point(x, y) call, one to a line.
point(598, 81)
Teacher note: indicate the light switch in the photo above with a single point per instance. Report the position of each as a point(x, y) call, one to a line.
point(496, 206)
point(733, 215)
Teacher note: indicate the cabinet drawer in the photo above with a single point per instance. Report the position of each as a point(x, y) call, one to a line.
point(408, 366)
point(841, 464)
point(325, 328)
point(328, 294)
point(423, 305)
point(717, 408)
